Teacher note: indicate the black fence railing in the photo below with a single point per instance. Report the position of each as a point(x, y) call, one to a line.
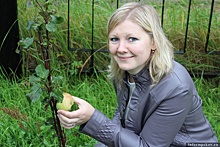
point(162, 5)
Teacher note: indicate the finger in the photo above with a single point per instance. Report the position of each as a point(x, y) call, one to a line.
point(77, 100)
point(68, 126)
point(80, 102)
point(72, 114)
point(66, 120)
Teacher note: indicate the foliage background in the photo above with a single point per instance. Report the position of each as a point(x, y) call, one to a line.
point(24, 124)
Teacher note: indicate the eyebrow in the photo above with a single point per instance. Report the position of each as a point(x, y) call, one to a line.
point(116, 35)
point(110, 34)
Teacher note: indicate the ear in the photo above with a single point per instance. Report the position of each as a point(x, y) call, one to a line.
point(153, 47)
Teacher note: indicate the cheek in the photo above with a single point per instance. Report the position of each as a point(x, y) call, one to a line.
point(144, 52)
point(112, 49)
point(147, 53)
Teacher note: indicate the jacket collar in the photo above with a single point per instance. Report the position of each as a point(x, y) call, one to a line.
point(142, 77)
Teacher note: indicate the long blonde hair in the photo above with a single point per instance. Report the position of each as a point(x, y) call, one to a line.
point(160, 62)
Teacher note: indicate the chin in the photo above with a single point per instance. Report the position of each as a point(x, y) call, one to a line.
point(125, 68)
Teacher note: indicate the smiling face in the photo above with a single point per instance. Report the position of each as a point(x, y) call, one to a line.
point(130, 46)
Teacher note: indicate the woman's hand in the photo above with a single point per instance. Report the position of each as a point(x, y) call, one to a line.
point(77, 117)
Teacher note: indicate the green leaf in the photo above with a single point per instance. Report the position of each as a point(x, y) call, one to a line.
point(45, 101)
point(57, 79)
point(38, 26)
point(41, 71)
point(53, 40)
point(56, 19)
point(59, 19)
point(34, 79)
point(30, 24)
point(47, 3)
point(75, 67)
point(57, 94)
point(46, 143)
point(51, 27)
point(26, 43)
point(29, 4)
point(36, 93)
point(52, 94)
point(43, 14)
point(44, 43)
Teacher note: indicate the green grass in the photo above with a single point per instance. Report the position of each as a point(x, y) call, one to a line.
point(20, 122)
point(175, 17)
point(30, 130)
point(23, 124)
point(209, 91)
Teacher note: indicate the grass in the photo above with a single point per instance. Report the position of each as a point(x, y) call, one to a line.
point(209, 91)
point(24, 124)
point(175, 17)
point(19, 122)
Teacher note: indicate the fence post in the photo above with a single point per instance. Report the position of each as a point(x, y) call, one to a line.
point(10, 61)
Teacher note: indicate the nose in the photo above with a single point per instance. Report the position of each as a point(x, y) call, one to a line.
point(122, 47)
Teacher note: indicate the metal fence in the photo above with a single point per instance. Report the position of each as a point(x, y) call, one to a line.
point(161, 7)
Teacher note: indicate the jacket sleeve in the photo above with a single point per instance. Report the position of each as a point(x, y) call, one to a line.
point(159, 129)
point(109, 133)
point(115, 119)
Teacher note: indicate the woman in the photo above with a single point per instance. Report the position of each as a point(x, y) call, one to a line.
point(158, 104)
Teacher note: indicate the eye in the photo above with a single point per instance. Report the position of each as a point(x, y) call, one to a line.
point(132, 39)
point(114, 39)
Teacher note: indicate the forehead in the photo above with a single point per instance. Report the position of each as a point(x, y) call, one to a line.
point(127, 27)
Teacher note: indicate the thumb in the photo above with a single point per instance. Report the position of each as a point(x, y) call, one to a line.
point(80, 102)
point(77, 100)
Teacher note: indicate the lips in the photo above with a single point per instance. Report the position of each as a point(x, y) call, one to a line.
point(125, 58)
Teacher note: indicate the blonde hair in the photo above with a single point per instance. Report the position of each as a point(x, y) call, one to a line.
point(160, 62)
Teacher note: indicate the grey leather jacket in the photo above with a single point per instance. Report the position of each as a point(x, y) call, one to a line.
point(169, 114)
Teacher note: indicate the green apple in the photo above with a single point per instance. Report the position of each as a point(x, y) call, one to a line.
point(66, 103)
